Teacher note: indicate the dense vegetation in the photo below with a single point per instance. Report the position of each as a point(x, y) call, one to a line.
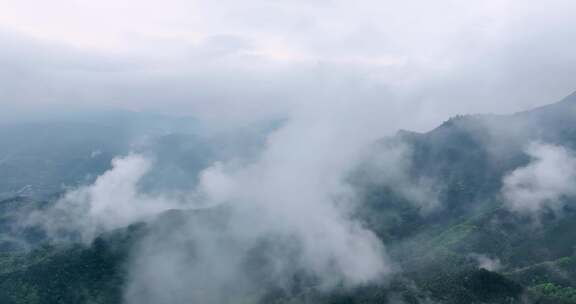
point(437, 251)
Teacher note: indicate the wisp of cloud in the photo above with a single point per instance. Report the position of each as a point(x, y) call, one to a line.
point(544, 182)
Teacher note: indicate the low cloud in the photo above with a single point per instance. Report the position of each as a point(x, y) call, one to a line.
point(487, 262)
point(113, 201)
point(291, 208)
point(248, 224)
point(388, 165)
point(544, 183)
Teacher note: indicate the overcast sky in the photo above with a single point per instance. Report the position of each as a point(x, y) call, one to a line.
point(232, 62)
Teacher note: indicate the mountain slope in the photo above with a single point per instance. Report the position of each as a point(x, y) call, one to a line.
point(468, 249)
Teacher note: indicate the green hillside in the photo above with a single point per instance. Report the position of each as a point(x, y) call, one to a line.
point(438, 252)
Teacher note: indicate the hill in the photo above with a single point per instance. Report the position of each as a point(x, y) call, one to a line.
point(455, 241)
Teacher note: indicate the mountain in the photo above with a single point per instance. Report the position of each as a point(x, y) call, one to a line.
point(43, 158)
point(456, 242)
point(468, 157)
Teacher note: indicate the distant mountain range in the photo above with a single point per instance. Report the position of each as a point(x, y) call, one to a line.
point(46, 157)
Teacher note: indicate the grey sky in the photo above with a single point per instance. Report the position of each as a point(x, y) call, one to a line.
point(229, 62)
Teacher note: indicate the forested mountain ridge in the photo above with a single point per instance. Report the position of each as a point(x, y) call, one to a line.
point(467, 246)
